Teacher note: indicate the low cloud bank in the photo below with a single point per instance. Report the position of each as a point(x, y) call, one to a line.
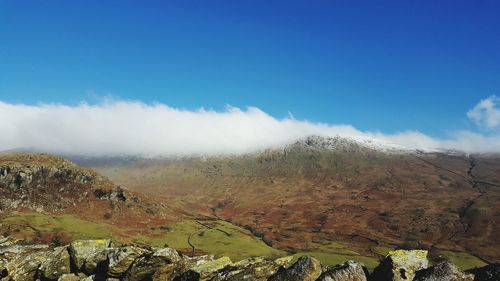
point(134, 128)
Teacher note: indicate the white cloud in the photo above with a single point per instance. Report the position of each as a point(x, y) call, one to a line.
point(486, 113)
point(134, 128)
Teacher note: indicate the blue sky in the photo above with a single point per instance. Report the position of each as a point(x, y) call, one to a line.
point(377, 65)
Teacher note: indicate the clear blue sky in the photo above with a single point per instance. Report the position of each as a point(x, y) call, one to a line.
point(378, 65)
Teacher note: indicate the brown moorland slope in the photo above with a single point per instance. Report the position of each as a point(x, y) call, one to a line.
point(306, 194)
point(42, 196)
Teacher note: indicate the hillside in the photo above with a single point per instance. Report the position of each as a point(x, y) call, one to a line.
point(46, 198)
point(316, 195)
point(333, 199)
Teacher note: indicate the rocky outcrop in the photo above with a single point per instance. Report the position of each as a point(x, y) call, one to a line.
point(487, 273)
point(400, 265)
point(349, 271)
point(56, 263)
point(43, 182)
point(305, 269)
point(148, 264)
point(443, 271)
point(52, 185)
point(105, 260)
point(89, 256)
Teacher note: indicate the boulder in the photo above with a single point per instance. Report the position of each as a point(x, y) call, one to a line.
point(304, 269)
point(146, 265)
point(204, 268)
point(349, 271)
point(20, 262)
point(443, 271)
point(258, 269)
point(24, 267)
point(400, 265)
point(90, 256)
point(7, 241)
point(69, 277)
point(120, 259)
point(167, 272)
point(56, 264)
point(486, 273)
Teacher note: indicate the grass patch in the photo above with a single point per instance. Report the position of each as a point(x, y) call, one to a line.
point(335, 258)
point(220, 238)
point(335, 252)
point(31, 223)
point(237, 244)
point(463, 260)
point(381, 250)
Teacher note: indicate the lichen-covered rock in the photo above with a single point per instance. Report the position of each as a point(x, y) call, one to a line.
point(69, 277)
point(304, 269)
point(24, 267)
point(20, 262)
point(167, 272)
point(349, 271)
point(7, 241)
point(87, 260)
point(146, 265)
point(205, 268)
point(120, 259)
point(443, 271)
point(258, 269)
point(486, 273)
point(56, 264)
point(400, 265)
point(89, 255)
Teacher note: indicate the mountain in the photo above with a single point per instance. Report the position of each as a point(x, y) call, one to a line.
point(307, 195)
point(331, 198)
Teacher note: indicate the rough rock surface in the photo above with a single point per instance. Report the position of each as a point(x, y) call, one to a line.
point(487, 273)
point(147, 265)
point(304, 269)
point(120, 259)
point(349, 271)
point(55, 264)
point(85, 260)
point(400, 265)
point(88, 255)
point(443, 271)
point(42, 182)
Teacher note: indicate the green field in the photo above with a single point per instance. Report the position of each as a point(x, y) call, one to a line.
point(335, 252)
point(31, 223)
point(334, 258)
point(463, 260)
point(220, 238)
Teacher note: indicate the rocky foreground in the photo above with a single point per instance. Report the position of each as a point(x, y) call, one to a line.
point(105, 260)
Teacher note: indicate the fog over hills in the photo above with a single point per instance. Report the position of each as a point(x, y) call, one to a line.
point(116, 128)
